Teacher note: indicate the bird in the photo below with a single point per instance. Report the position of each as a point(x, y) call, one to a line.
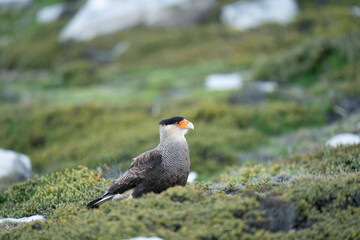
point(167, 165)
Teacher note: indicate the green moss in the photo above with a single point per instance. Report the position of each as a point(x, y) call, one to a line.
point(193, 215)
point(44, 195)
point(37, 49)
point(250, 171)
point(314, 58)
point(304, 4)
point(324, 201)
point(351, 85)
point(213, 147)
point(49, 135)
point(284, 116)
point(312, 206)
point(56, 138)
point(79, 73)
point(329, 160)
point(324, 161)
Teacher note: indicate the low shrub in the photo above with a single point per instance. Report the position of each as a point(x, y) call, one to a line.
point(330, 203)
point(351, 89)
point(329, 160)
point(178, 213)
point(79, 73)
point(60, 137)
point(271, 118)
point(52, 137)
point(249, 172)
point(213, 147)
point(307, 207)
point(37, 48)
point(304, 4)
point(313, 58)
point(57, 190)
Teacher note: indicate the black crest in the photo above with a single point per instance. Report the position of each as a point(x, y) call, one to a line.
point(172, 120)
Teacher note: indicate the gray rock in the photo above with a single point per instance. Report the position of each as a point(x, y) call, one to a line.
point(266, 87)
point(279, 214)
point(97, 18)
point(119, 49)
point(221, 82)
point(343, 139)
point(282, 178)
point(13, 5)
point(50, 13)
point(178, 13)
point(245, 15)
point(355, 11)
point(357, 127)
point(14, 166)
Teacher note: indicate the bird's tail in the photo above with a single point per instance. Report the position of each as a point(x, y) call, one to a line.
point(95, 203)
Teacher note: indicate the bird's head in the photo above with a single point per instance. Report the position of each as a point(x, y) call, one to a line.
point(175, 126)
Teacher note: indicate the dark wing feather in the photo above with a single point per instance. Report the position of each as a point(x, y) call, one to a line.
point(137, 171)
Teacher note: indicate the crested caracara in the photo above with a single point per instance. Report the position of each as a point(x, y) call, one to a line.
point(155, 170)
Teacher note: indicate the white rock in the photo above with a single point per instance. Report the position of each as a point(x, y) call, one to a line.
point(355, 11)
point(246, 15)
point(99, 17)
point(14, 166)
point(145, 238)
point(50, 13)
point(192, 177)
point(11, 5)
point(24, 219)
point(266, 87)
point(343, 139)
point(221, 82)
point(174, 13)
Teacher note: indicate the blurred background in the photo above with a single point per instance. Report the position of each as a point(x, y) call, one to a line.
point(86, 82)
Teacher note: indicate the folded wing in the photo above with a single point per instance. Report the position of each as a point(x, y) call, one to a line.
point(137, 172)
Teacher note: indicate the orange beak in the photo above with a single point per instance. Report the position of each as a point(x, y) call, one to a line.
point(185, 124)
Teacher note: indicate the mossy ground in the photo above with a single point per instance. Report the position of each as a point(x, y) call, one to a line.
point(259, 178)
point(301, 206)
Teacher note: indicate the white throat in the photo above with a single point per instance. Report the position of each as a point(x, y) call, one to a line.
point(172, 133)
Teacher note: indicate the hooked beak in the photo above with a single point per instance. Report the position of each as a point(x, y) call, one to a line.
point(190, 126)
